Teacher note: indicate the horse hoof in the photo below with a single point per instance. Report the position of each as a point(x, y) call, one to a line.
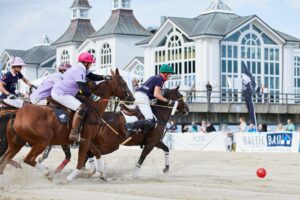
point(166, 169)
point(104, 179)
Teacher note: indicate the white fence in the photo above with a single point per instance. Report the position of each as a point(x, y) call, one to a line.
point(245, 142)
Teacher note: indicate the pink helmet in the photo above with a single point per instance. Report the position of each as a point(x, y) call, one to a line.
point(86, 57)
point(64, 67)
point(17, 61)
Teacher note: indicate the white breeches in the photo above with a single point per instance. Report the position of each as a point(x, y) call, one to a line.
point(143, 102)
point(17, 103)
point(67, 101)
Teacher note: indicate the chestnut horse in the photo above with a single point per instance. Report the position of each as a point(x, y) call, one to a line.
point(38, 126)
point(113, 134)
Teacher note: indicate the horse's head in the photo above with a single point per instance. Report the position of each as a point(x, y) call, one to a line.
point(175, 95)
point(115, 87)
point(119, 87)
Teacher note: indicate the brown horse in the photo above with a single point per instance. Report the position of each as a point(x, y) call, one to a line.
point(38, 126)
point(113, 134)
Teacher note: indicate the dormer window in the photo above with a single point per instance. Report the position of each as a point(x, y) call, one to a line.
point(116, 4)
point(126, 4)
point(74, 13)
point(121, 4)
point(83, 13)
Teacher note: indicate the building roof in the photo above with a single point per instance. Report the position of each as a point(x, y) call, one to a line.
point(35, 55)
point(15, 53)
point(216, 24)
point(78, 31)
point(81, 3)
point(122, 22)
point(287, 37)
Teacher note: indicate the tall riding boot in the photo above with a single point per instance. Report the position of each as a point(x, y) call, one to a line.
point(142, 124)
point(76, 124)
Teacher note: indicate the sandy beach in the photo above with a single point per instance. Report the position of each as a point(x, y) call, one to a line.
point(193, 175)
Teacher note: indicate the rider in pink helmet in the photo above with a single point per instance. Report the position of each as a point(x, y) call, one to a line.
point(9, 82)
point(74, 81)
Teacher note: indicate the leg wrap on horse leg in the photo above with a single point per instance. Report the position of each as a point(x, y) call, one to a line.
point(77, 123)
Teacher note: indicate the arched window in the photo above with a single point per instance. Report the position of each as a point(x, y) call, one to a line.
point(179, 52)
point(105, 56)
point(261, 55)
point(139, 72)
point(65, 57)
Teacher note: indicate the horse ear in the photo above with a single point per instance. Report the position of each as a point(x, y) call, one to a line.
point(117, 72)
point(177, 88)
point(112, 72)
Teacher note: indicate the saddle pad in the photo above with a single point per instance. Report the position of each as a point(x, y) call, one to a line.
point(61, 115)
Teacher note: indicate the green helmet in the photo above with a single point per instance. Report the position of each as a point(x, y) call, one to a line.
point(166, 69)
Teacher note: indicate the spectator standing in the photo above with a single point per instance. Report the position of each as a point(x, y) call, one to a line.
point(185, 128)
point(260, 128)
point(210, 127)
point(243, 125)
point(203, 126)
point(172, 127)
point(194, 127)
point(279, 128)
point(208, 90)
point(290, 126)
point(252, 129)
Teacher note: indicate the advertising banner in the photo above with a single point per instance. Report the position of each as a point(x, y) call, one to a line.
point(267, 142)
point(216, 141)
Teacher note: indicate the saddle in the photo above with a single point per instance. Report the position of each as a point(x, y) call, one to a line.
point(131, 111)
point(63, 114)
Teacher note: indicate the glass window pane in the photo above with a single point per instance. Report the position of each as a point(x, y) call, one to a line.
point(277, 69)
point(259, 53)
point(223, 66)
point(266, 68)
point(272, 54)
point(277, 83)
point(266, 54)
point(272, 83)
point(243, 52)
point(229, 66)
point(235, 52)
point(253, 67)
point(266, 82)
point(277, 54)
point(235, 70)
point(223, 51)
point(229, 51)
point(224, 81)
point(258, 68)
point(272, 68)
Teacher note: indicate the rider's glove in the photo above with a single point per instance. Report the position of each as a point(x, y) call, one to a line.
point(95, 98)
point(12, 96)
point(170, 102)
point(33, 86)
point(107, 78)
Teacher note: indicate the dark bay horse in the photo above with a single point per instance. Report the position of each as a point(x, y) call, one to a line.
point(38, 126)
point(111, 135)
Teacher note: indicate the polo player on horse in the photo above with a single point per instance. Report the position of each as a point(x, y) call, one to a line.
point(9, 82)
point(74, 80)
point(150, 90)
point(43, 91)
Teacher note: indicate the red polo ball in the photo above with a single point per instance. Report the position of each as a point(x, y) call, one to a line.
point(261, 173)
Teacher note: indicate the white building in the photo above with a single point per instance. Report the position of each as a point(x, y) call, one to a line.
point(113, 45)
point(212, 46)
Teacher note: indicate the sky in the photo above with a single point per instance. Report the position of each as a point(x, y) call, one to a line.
point(24, 22)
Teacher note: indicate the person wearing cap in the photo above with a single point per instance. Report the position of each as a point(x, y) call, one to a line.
point(150, 90)
point(73, 81)
point(8, 83)
point(43, 91)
